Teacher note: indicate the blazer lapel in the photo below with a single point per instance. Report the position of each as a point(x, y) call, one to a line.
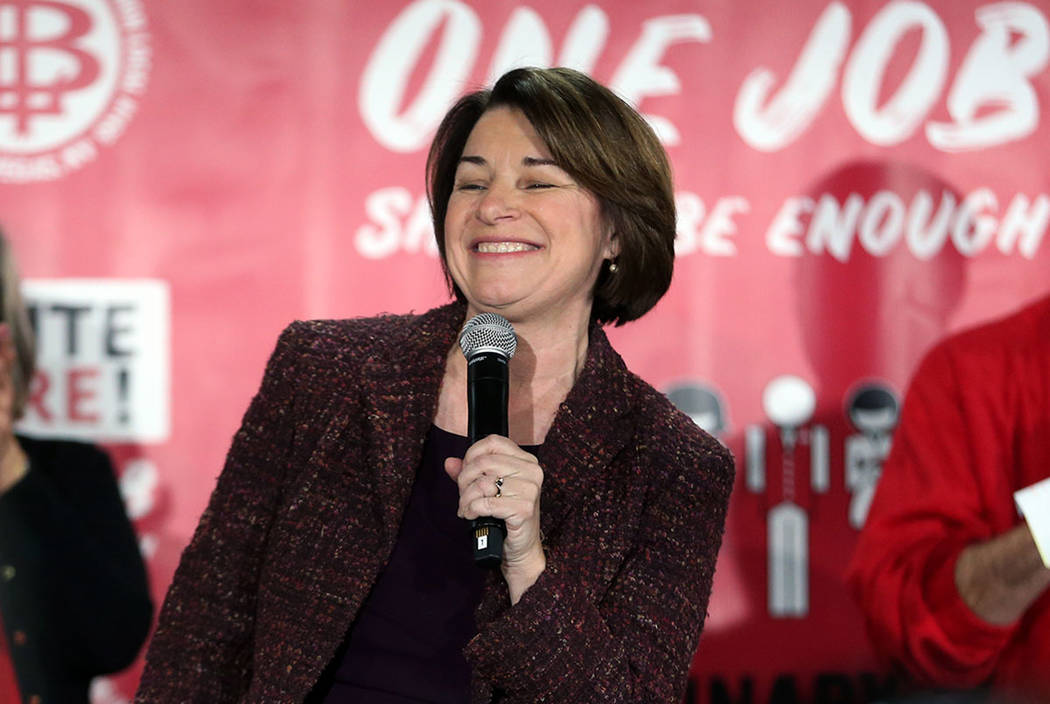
point(591, 427)
point(401, 406)
point(387, 417)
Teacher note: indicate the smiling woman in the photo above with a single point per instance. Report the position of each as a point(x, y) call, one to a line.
point(581, 135)
point(333, 562)
point(521, 236)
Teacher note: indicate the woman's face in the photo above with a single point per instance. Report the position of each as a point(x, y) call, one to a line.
point(522, 238)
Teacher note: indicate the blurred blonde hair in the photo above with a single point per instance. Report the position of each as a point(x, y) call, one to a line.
point(13, 312)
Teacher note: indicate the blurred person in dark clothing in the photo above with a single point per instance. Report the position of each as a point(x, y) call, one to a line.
point(74, 600)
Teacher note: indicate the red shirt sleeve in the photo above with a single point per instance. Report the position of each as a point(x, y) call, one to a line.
point(944, 486)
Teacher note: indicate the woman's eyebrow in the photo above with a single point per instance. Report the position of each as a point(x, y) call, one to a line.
point(538, 161)
point(527, 161)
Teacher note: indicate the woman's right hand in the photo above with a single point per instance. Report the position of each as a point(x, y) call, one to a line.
point(497, 478)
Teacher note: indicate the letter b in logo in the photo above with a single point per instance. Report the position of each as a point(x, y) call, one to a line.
point(41, 61)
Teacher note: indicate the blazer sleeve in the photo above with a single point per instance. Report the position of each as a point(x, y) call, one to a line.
point(75, 581)
point(633, 643)
point(936, 496)
point(202, 648)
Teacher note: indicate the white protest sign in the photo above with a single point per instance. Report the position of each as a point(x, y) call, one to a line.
point(103, 359)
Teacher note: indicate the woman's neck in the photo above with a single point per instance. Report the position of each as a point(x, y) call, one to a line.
point(542, 373)
point(547, 363)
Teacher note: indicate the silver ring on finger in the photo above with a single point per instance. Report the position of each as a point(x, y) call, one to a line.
point(499, 487)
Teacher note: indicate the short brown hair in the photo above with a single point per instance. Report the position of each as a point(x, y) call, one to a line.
point(607, 147)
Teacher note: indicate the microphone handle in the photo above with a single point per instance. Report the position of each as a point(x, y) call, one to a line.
point(487, 390)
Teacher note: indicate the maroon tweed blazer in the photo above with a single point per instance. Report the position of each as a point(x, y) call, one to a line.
point(306, 512)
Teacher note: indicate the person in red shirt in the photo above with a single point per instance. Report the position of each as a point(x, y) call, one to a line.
point(947, 569)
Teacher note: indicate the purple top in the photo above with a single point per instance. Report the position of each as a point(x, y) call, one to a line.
point(406, 644)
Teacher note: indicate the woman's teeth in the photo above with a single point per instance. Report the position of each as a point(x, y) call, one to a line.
point(501, 247)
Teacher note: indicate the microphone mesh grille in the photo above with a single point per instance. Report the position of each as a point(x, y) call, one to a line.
point(488, 332)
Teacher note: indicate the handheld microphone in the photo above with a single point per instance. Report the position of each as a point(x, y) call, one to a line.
point(488, 342)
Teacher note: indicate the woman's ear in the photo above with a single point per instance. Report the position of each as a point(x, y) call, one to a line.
point(612, 245)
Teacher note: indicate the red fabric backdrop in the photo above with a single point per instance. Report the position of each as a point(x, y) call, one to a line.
point(855, 180)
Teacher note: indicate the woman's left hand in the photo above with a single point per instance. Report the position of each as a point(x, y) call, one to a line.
point(497, 478)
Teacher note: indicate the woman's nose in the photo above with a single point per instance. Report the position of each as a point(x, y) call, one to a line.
point(499, 203)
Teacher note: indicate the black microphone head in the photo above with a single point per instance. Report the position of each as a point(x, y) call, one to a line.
point(488, 332)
